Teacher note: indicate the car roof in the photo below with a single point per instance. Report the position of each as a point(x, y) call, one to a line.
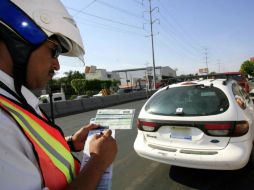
point(206, 82)
point(231, 73)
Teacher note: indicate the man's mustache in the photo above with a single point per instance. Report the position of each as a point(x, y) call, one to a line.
point(52, 73)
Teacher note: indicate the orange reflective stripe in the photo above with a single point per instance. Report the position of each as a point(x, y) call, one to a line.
point(45, 138)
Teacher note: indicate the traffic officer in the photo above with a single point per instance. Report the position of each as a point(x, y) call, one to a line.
point(34, 154)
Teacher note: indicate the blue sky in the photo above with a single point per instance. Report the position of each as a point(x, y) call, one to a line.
point(116, 34)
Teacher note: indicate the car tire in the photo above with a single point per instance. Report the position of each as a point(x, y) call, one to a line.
point(250, 163)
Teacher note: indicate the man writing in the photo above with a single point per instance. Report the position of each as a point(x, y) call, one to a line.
point(33, 151)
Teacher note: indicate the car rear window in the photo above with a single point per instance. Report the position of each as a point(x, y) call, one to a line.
point(188, 101)
point(237, 77)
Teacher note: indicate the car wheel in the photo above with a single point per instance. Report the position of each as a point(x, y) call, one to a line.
point(251, 159)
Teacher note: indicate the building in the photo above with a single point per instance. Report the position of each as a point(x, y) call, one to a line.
point(144, 76)
point(92, 73)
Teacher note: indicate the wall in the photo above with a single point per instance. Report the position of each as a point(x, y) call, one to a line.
point(77, 106)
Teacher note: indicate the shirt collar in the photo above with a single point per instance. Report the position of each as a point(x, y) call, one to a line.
point(28, 95)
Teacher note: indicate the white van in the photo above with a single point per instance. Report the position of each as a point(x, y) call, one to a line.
point(56, 97)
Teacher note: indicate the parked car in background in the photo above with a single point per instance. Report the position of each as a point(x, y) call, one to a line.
point(81, 97)
point(56, 97)
point(124, 91)
point(205, 124)
point(238, 76)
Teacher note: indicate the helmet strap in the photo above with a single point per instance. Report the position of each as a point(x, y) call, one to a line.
point(20, 52)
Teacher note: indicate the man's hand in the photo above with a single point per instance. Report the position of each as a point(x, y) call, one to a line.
point(103, 148)
point(79, 138)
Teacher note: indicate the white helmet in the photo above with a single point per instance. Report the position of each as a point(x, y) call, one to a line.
point(27, 24)
point(51, 17)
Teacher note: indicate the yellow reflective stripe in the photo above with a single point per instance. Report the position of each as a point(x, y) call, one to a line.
point(56, 162)
point(50, 140)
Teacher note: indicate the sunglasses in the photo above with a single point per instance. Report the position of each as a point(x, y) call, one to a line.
point(57, 50)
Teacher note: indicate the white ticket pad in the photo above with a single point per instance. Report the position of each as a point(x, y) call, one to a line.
point(115, 118)
point(106, 179)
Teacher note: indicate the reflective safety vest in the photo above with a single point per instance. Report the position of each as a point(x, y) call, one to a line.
point(57, 165)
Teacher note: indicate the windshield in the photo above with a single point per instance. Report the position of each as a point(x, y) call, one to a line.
point(188, 101)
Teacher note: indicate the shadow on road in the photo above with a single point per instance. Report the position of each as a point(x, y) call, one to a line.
point(242, 179)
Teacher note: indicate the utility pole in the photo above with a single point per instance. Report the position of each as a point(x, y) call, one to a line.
point(151, 29)
point(151, 34)
point(219, 65)
point(206, 62)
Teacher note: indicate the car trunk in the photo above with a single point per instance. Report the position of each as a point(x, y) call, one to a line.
point(184, 137)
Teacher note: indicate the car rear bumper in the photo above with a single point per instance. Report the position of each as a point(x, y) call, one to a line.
point(234, 156)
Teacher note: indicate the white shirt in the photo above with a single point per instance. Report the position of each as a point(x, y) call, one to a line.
point(19, 168)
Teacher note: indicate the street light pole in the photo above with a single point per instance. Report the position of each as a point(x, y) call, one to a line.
point(127, 81)
point(51, 101)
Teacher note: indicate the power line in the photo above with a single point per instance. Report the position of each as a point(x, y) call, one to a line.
point(113, 21)
point(179, 27)
point(186, 52)
point(178, 41)
point(176, 36)
point(107, 19)
point(136, 1)
point(108, 27)
point(92, 2)
point(163, 42)
point(119, 9)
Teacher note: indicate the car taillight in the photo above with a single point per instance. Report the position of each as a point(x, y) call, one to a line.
point(218, 129)
point(241, 128)
point(237, 129)
point(146, 126)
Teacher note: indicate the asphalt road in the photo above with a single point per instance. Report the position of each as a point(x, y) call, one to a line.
point(132, 172)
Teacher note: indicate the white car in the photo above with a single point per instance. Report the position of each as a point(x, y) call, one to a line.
point(206, 124)
point(56, 97)
point(251, 94)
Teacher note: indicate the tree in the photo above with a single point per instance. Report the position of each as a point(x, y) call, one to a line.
point(247, 68)
point(79, 85)
point(65, 82)
point(74, 75)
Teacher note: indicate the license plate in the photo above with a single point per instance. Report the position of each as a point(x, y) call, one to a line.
point(181, 133)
